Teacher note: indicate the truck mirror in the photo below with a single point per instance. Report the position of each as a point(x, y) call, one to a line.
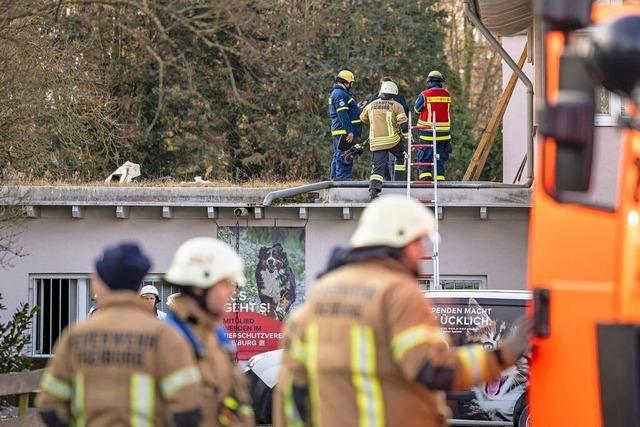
point(570, 122)
point(616, 54)
point(565, 15)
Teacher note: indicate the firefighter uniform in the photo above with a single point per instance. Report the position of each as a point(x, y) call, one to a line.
point(225, 389)
point(369, 351)
point(120, 367)
point(285, 413)
point(434, 100)
point(385, 117)
point(345, 119)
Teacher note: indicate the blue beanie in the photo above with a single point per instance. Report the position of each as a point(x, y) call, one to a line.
point(123, 267)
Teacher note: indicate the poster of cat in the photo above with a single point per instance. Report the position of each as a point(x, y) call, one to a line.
point(483, 318)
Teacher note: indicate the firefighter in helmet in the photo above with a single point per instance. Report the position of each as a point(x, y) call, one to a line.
point(206, 270)
point(346, 125)
point(434, 101)
point(368, 350)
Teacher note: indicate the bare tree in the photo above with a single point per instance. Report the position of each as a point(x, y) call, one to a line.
point(11, 217)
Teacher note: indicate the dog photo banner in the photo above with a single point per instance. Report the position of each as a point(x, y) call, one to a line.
point(274, 259)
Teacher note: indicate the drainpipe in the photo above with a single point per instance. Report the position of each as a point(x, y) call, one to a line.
point(469, 11)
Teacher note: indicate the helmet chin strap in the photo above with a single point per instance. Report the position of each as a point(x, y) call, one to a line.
point(201, 299)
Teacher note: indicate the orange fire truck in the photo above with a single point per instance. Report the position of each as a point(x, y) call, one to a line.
point(584, 258)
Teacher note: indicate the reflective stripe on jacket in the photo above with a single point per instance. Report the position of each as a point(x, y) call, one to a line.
point(120, 367)
point(344, 112)
point(366, 336)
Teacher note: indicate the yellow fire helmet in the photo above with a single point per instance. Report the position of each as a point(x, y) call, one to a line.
point(347, 76)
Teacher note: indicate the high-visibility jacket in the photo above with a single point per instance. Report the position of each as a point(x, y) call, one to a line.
point(344, 112)
point(367, 338)
point(434, 100)
point(228, 402)
point(120, 367)
point(384, 116)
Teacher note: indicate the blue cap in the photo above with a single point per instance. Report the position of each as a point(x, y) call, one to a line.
point(123, 267)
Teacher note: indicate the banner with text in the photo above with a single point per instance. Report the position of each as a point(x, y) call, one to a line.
point(274, 260)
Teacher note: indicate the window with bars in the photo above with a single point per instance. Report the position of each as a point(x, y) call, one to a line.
point(62, 301)
point(453, 283)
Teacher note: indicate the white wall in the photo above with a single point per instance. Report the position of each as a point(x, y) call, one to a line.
point(59, 244)
point(514, 128)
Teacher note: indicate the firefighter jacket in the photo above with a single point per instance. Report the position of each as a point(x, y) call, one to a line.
point(344, 112)
point(385, 117)
point(370, 352)
point(434, 100)
point(285, 413)
point(121, 367)
point(228, 402)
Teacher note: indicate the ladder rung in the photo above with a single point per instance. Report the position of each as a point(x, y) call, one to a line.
point(421, 164)
point(422, 183)
point(426, 200)
point(425, 276)
point(422, 127)
point(427, 257)
point(421, 145)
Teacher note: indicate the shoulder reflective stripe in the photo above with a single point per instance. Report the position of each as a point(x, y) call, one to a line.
point(473, 362)
point(375, 177)
point(365, 378)
point(312, 335)
point(298, 351)
point(338, 132)
point(55, 387)
point(414, 336)
point(77, 401)
point(175, 381)
point(342, 108)
point(446, 99)
point(350, 101)
point(141, 400)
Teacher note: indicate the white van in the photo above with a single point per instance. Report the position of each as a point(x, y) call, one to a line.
point(483, 317)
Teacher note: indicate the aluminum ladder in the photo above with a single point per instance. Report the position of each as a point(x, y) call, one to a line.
point(435, 253)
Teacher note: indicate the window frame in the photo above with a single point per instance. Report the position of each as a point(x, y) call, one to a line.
point(80, 307)
point(482, 278)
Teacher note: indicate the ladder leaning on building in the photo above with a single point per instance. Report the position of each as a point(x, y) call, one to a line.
point(435, 254)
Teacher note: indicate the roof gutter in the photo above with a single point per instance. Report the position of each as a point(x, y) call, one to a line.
point(324, 185)
point(470, 12)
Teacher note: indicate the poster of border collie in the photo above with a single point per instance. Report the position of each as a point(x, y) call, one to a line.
point(274, 260)
point(484, 321)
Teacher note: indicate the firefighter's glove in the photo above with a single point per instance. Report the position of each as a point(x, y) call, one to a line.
point(517, 344)
point(231, 411)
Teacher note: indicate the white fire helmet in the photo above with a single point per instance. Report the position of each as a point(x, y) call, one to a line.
point(395, 221)
point(149, 289)
point(389, 88)
point(202, 262)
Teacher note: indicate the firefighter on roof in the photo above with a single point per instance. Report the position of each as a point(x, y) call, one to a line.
point(387, 120)
point(346, 125)
point(434, 100)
